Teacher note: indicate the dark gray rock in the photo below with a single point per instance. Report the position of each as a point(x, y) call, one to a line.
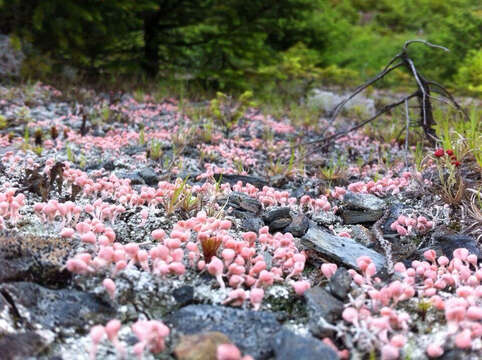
point(134, 149)
point(359, 201)
point(395, 212)
point(184, 295)
point(243, 202)
point(149, 176)
point(233, 179)
point(298, 226)
point(249, 221)
point(447, 243)
point(134, 177)
point(279, 224)
point(340, 283)
point(360, 216)
point(321, 303)
point(340, 249)
point(276, 213)
point(56, 308)
point(21, 345)
point(288, 346)
point(251, 331)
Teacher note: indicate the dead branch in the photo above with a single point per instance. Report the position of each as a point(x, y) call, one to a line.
point(423, 95)
point(385, 109)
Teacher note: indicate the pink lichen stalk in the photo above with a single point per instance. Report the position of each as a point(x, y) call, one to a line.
point(451, 286)
point(151, 335)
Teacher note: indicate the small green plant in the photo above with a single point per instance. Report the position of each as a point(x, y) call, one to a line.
point(418, 156)
point(334, 170)
point(70, 155)
point(3, 122)
point(155, 151)
point(227, 111)
point(142, 139)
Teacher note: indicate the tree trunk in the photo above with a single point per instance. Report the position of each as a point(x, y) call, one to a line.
point(151, 43)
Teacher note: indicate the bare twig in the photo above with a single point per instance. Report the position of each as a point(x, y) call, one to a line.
point(407, 43)
point(407, 117)
point(362, 87)
point(363, 123)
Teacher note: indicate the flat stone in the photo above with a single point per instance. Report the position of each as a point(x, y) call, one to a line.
point(339, 249)
point(447, 243)
point(360, 216)
point(246, 179)
point(149, 176)
point(21, 345)
point(340, 283)
point(241, 201)
point(251, 331)
point(298, 226)
point(288, 346)
point(52, 309)
point(360, 201)
point(321, 303)
point(200, 346)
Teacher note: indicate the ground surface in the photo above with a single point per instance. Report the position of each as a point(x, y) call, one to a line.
point(144, 211)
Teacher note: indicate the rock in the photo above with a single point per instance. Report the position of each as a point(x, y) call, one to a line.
point(326, 100)
point(288, 346)
point(56, 308)
point(360, 216)
point(361, 208)
point(134, 177)
point(134, 149)
point(200, 346)
point(340, 283)
point(276, 213)
point(249, 222)
point(233, 179)
point(340, 249)
point(298, 226)
point(11, 59)
point(395, 212)
point(321, 303)
point(277, 218)
point(362, 235)
point(21, 345)
point(251, 331)
point(34, 258)
point(184, 295)
point(279, 224)
point(325, 218)
point(241, 201)
point(149, 176)
point(447, 243)
point(367, 202)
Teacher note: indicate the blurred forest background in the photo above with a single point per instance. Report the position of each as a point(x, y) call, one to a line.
point(237, 45)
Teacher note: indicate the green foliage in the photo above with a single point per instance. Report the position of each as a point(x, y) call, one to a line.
point(267, 45)
point(227, 111)
point(469, 75)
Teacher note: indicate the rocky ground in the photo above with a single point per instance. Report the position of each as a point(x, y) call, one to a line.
point(135, 228)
